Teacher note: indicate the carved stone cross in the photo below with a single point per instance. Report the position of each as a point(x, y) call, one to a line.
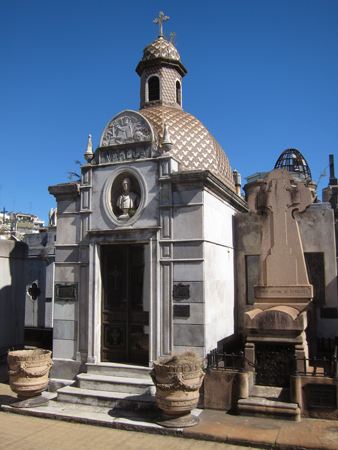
point(282, 263)
point(161, 18)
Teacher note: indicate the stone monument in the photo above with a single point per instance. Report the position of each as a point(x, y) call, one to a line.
point(283, 293)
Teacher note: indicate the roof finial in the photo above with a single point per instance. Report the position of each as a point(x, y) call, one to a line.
point(161, 18)
point(89, 152)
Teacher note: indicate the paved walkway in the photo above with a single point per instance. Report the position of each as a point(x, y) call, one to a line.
point(216, 430)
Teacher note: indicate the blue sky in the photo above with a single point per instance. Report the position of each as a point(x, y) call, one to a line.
point(262, 77)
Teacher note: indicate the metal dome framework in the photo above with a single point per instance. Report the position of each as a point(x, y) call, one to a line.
point(293, 161)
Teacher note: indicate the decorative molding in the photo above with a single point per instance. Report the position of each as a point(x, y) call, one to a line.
point(121, 172)
point(125, 128)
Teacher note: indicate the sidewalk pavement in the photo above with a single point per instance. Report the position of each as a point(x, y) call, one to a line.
point(214, 425)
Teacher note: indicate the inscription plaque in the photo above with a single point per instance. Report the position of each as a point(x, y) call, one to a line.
point(322, 396)
point(181, 311)
point(181, 291)
point(66, 291)
point(296, 292)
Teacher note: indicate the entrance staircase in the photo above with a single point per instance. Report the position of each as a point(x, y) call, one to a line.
point(112, 385)
point(270, 402)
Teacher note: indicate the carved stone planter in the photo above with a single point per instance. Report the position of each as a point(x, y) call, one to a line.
point(177, 382)
point(29, 371)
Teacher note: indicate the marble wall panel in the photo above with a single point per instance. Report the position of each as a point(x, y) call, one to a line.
point(219, 294)
point(65, 329)
point(65, 310)
point(218, 220)
point(188, 335)
point(188, 222)
point(68, 229)
point(65, 349)
point(187, 250)
point(67, 254)
point(66, 273)
point(166, 228)
point(188, 271)
point(187, 195)
point(68, 206)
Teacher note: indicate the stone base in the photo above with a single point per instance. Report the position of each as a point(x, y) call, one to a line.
point(277, 321)
point(188, 420)
point(32, 402)
point(66, 369)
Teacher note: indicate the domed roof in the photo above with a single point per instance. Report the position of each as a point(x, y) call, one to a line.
point(293, 161)
point(161, 48)
point(193, 145)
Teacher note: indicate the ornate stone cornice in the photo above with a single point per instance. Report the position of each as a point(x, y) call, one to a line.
point(65, 190)
point(207, 179)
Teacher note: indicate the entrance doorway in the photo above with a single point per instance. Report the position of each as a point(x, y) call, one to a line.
point(125, 303)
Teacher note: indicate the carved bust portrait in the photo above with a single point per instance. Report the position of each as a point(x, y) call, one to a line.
point(128, 201)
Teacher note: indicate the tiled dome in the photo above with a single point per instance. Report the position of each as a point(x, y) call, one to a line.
point(161, 48)
point(193, 145)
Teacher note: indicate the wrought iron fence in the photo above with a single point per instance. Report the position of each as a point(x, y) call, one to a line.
point(316, 367)
point(219, 360)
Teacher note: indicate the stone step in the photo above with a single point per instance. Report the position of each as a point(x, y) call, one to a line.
point(262, 407)
point(129, 385)
point(119, 370)
point(271, 393)
point(118, 400)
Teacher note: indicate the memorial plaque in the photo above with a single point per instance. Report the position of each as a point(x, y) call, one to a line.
point(66, 291)
point(181, 291)
point(181, 311)
point(322, 396)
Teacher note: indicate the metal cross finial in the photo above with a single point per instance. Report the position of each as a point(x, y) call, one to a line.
point(4, 214)
point(161, 18)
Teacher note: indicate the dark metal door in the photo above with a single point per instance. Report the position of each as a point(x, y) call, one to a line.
point(125, 304)
point(273, 364)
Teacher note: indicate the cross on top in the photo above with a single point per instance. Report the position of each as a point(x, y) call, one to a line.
point(4, 214)
point(161, 18)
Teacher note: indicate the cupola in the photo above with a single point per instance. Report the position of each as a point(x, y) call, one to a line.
point(161, 72)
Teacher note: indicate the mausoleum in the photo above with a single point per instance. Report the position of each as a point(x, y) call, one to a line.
point(144, 253)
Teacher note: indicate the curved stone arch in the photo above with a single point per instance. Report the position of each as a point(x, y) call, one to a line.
point(178, 81)
point(147, 86)
point(136, 118)
point(110, 195)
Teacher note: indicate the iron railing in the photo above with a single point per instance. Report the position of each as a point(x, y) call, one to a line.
point(219, 360)
point(316, 367)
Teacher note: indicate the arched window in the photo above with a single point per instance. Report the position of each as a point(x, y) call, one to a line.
point(154, 88)
point(178, 93)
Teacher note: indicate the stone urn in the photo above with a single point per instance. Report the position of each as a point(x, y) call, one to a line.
point(178, 380)
point(29, 371)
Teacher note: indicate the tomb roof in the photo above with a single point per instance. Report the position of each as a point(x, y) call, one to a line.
point(193, 145)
